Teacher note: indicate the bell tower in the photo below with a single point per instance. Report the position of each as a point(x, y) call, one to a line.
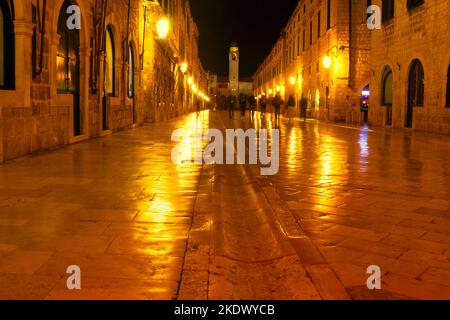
point(234, 69)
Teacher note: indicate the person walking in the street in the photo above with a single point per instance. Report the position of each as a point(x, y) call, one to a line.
point(252, 104)
point(243, 104)
point(290, 107)
point(230, 104)
point(303, 107)
point(263, 105)
point(197, 107)
point(277, 102)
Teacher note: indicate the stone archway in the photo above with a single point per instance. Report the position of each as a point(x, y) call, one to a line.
point(415, 91)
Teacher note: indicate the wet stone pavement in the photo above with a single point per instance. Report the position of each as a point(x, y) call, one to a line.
point(141, 227)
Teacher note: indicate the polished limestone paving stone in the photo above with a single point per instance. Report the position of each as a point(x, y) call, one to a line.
point(117, 207)
point(369, 197)
point(142, 227)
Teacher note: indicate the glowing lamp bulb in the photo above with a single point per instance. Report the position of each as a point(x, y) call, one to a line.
point(327, 62)
point(293, 80)
point(183, 67)
point(162, 28)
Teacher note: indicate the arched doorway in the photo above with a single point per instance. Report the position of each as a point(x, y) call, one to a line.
point(131, 85)
point(108, 74)
point(7, 65)
point(68, 65)
point(386, 94)
point(365, 103)
point(415, 91)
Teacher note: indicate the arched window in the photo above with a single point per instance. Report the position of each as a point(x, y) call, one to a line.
point(386, 94)
point(67, 56)
point(6, 45)
point(416, 90)
point(416, 84)
point(448, 88)
point(68, 65)
point(130, 72)
point(109, 70)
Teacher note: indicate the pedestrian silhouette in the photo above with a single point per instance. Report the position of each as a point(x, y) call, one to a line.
point(277, 102)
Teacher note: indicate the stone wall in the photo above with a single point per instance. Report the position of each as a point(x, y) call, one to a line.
point(421, 33)
point(34, 116)
point(27, 130)
point(350, 69)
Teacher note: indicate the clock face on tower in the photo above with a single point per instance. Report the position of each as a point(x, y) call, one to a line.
point(234, 57)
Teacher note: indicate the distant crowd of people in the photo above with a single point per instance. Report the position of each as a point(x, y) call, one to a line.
point(249, 102)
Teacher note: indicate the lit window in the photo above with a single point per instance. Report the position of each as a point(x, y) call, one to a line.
point(67, 55)
point(109, 63)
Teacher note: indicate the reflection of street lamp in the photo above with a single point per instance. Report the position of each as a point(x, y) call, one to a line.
point(327, 65)
point(190, 81)
point(162, 28)
point(183, 67)
point(293, 81)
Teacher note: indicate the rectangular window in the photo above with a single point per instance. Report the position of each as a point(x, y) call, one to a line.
point(34, 42)
point(414, 3)
point(388, 10)
point(304, 36)
point(293, 50)
point(318, 24)
point(329, 15)
point(369, 3)
point(2, 50)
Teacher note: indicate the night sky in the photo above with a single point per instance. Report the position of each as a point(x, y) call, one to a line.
point(254, 24)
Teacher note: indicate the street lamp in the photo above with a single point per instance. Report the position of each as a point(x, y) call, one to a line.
point(327, 62)
point(184, 67)
point(190, 81)
point(162, 28)
point(293, 80)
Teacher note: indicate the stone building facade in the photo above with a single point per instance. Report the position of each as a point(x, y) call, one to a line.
point(322, 55)
point(61, 85)
point(410, 66)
